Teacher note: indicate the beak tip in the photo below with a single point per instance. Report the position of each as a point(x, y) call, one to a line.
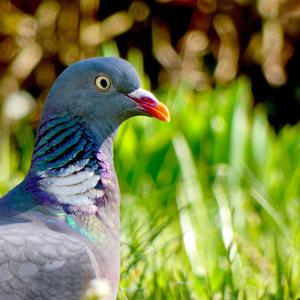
point(167, 119)
point(162, 113)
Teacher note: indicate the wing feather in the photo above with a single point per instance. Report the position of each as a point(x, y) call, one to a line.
point(38, 263)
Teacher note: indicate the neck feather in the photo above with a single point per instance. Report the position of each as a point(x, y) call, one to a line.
point(72, 167)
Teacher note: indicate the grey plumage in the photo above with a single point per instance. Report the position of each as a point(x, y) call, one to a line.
point(38, 263)
point(59, 228)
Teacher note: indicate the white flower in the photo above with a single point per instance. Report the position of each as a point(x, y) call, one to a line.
point(99, 289)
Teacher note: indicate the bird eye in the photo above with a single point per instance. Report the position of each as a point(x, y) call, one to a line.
point(102, 82)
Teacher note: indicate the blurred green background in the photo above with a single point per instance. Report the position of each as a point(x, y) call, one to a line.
point(210, 202)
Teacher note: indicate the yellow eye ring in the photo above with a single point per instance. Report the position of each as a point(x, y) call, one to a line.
point(102, 82)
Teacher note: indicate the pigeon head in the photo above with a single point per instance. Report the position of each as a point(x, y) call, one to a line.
point(103, 89)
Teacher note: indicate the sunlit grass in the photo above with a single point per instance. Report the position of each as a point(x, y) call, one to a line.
point(228, 184)
point(210, 202)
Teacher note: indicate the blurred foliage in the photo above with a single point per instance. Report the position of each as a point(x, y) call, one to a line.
point(210, 210)
point(201, 42)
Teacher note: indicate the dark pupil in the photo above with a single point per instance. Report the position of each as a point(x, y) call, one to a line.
point(104, 83)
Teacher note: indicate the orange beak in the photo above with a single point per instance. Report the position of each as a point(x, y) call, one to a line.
point(150, 105)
